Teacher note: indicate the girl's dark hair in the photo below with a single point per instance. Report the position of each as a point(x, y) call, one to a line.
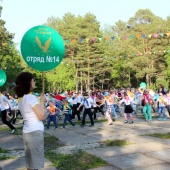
point(145, 91)
point(161, 85)
point(125, 94)
point(23, 83)
point(93, 93)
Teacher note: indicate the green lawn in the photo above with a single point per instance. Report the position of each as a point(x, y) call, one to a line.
point(4, 128)
point(51, 142)
point(3, 155)
point(116, 142)
point(80, 160)
point(160, 135)
point(3, 150)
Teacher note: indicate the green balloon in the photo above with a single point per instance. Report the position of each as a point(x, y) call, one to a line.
point(42, 48)
point(2, 77)
point(142, 85)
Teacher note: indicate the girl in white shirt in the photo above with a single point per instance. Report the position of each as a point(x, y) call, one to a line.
point(128, 108)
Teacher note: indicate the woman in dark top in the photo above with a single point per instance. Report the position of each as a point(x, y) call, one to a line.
point(161, 89)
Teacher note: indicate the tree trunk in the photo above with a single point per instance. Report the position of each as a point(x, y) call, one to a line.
point(147, 80)
point(93, 74)
point(129, 79)
point(88, 76)
point(76, 82)
point(81, 81)
point(86, 85)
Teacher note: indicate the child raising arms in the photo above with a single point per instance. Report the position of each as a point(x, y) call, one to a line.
point(128, 108)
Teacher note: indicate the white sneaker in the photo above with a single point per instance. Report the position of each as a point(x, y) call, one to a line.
point(13, 130)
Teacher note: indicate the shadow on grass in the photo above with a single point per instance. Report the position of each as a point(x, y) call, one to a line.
point(80, 160)
point(51, 143)
point(3, 156)
point(159, 135)
point(3, 150)
point(116, 142)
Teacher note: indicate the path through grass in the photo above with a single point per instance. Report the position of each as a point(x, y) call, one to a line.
point(79, 160)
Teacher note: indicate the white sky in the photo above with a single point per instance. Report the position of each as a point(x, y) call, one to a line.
point(21, 15)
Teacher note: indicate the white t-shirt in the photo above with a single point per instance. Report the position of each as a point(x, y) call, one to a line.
point(167, 100)
point(4, 103)
point(79, 98)
point(14, 104)
point(31, 122)
point(73, 101)
point(94, 102)
point(127, 101)
point(87, 103)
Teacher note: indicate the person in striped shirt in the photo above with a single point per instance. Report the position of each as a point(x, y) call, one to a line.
point(67, 112)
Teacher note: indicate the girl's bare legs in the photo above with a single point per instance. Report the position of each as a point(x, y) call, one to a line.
point(109, 118)
point(131, 117)
point(125, 116)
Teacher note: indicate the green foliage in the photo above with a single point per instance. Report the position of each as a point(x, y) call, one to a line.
point(85, 71)
point(149, 67)
point(61, 77)
point(99, 63)
point(9, 56)
point(166, 78)
point(3, 150)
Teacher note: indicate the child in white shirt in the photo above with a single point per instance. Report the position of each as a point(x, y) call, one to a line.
point(161, 106)
point(128, 108)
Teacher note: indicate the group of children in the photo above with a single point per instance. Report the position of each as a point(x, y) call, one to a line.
point(91, 104)
point(73, 104)
point(130, 100)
